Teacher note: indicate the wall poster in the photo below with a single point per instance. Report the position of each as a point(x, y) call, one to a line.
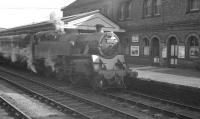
point(134, 50)
point(164, 52)
point(135, 38)
point(181, 52)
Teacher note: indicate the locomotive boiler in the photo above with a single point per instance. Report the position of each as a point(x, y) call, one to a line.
point(88, 58)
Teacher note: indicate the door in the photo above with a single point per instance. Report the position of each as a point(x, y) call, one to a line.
point(172, 52)
point(155, 49)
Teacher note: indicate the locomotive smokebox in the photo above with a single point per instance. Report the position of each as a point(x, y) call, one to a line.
point(104, 44)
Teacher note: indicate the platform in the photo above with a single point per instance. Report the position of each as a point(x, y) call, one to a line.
point(185, 77)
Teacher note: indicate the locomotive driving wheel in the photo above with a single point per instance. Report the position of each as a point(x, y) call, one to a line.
point(60, 74)
point(75, 78)
point(48, 72)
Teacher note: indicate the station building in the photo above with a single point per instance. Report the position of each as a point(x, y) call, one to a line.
point(157, 32)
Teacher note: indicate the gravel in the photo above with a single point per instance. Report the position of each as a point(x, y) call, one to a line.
point(28, 105)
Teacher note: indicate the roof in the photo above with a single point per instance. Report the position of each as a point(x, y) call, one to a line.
point(89, 21)
point(78, 3)
point(41, 26)
point(76, 16)
point(83, 21)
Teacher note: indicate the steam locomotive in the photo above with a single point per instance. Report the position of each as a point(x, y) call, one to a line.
point(87, 58)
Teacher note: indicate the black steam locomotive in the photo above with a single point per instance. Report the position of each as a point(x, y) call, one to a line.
point(87, 58)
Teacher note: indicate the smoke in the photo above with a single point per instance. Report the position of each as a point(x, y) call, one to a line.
point(26, 53)
point(14, 53)
point(30, 65)
point(49, 62)
point(59, 26)
point(11, 49)
point(4, 50)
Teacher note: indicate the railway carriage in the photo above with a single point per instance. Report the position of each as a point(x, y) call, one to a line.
point(89, 58)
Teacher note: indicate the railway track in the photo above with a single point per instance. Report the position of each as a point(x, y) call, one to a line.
point(154, 107)
point(51, 97)
point(9, 111)
point(78, 106)
point(50, 113)
point(164, 107)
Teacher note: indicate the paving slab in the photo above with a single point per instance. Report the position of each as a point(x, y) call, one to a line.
point(178, 76)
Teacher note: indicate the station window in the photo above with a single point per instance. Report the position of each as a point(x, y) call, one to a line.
point(148, 7)
point(128, 8)
point(146, 47)
point(152, 7)
point(121, 12)
point(125, 10)
point(193, 47)
point(193, 5)
point(157, 7)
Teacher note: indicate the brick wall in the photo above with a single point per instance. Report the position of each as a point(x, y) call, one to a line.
point(174, 20)
point(105, 6)
point(172, 11)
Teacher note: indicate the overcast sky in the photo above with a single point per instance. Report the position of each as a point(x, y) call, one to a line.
point(21, 12)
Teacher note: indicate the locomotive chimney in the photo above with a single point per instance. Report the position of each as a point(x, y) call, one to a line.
point(99, 28)
point(52, 16)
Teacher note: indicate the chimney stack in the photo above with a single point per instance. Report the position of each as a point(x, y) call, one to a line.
point(99, 28)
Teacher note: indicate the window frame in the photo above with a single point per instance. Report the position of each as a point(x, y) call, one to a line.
point(157, 7)
point(196, 45)
point(146, 8)
point(121, 12)
point(128, 7)
point(146, 44)
point(125, 11)
point(152, 8)
point(189, 6)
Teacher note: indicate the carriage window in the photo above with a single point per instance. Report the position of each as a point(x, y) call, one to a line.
point(146, 46)
point(193, 47)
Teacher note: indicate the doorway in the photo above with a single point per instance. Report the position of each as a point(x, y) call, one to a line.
point(155, 51)
point(172, 52)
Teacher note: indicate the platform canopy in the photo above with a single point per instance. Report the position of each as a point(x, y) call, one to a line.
point(84, 21)
point(89, 20)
